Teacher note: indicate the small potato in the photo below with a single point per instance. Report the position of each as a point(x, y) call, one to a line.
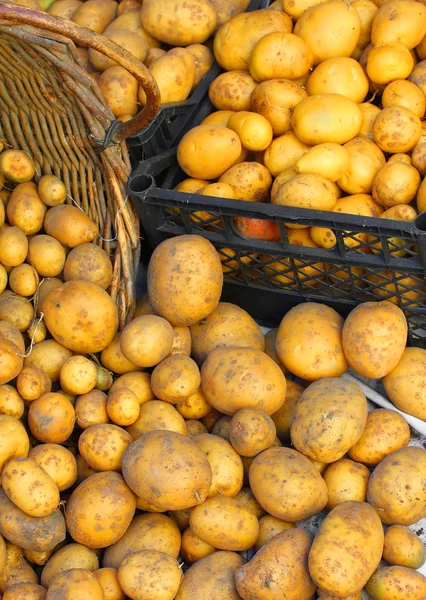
point(69, 225)
point(399, 22)
point(71, 556)
point(147, 340)
point(11, 403)
point(90, 409)
point(102, 446)
point(193, 548)
point(78, 376)
point(123, 407)
point(232, 91)
point(17, 310)
point(283, 153)
point(114, 360)
point(95, 14)
point(25, 208)
point(254, 130)
point(222, 427)
point(17, 166)
point(194, 428)
point(385, 432)
point(181, 341)
point(204, 58)
point(404, 93)
point(398, 583)
point(284, 415)
point(250, 180)
point(275, 99)
point(346, 480)
point(194, 407)
point(51, 418)
point(23, 280)
point(251, 431)
point(287, 485)
point(403, 547)
point(181, 518)
point(224, 523)
point(269, 527)
point(139, 383)
point(172, 77)
point(307, 190)
point(32, 382)
point(397, 129)
point(175, 378)
point(46, 255)
point(129, 40)
point(13, 246)
point(120, 90)
point(150, 575)
point(208, 151)
point(340, 75)
point(75, 584)
point(404, 384)
point(369, 113)
point(280, 56)
point(225, 463)
point(39, 558)
point(51, 189)
point(395, 183)
point(58, 462)
point(157, 415)
point(25, 591)
point(388, 63)
point(89, 262)
point(108, 579)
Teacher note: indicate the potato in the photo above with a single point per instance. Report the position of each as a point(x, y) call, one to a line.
point(17, 166)
point(120, 90)
point(51, 418)
point(385, 327)
point(390, 62)
point(127, 39)
point(75, 584)
point(225, 388)
point(307, 190)
point(251, 431)
point(270, 350)
point(109, 582)
point(385, 432)
point(399, 22)
point(13, 246)
point(91, 409)
point(284, 153)
point(147, 531)
point(33, 533)
point(146, 340)
point(95, 14)
point(366, 10)
point(250, 180)
point(224, 523)
point(275, 99)
point(150, 575)
point(397, 129)
point(284, 415)
point(203, 58)
point(180, 486)
point(132, 21)
point(108, 495)
point(139, 383)
point(10, 360)
point(287, 485)
point(232, 91)
point(123, 407)
point(102, 446)
point(81, 316)
point(403, 547)
point(187, 302)
point(212, 578)
point(23, 280)
point(157, 415)
point(219, 117)
point(331, 29)
point(17, 310)
point(226, 10)
point(221, 428)
point(225, 463)
point(254, 130)
point(369, 112)
point(32, 382)
point(404, 93)
point(328, 160)
point(10, 332)
point(340, 75)
point(396, 488)
point(25, 208)
point(346, 480)
point(269, 527)
point(48, 356)
point(78, 375)
point(173, 79)
point(351, 524)
point(358, 204)
point(51, 189)
point(11, 403)
point(400, 582)
point(58, 462)
point(16, 569)
point(280, 55)
point(114, 360)
point(343, 117)
point(193, 548)
point(69, 225)
point(175, 379)
point(404, 385)
point(25, 591)
point(71, 556)
point(89, 263)
point(235, 41)
point(395, 183)
point(178, 23)
point(194, 407)
point(282, 564)
point(46, 255)
point(309, 342)
point(151, 56)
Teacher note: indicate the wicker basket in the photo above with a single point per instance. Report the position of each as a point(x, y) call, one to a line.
point(54, 111)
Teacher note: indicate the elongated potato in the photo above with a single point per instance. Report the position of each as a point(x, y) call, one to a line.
point(225, 463)
point(14, 441)
point(58, 462)
point(95, 14)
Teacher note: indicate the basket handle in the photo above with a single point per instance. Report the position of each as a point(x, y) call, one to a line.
point(86, 37)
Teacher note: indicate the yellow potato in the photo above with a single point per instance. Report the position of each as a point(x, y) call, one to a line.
point(123, 407)
point(49, 356)
point(151, 56)
point(19, 311)
point(397, 129)
point(23, 280)
point(109, 583)
point(346, 480)
point(175, 379)
point(25, 208)
point(220, 117)
point(404, 93)
point(280, 55)
point(275, 99)
point(11, 403)
point(203, 58)
point(387, 63)
point(132, 21)
point(25, 591)
point(251, 431)
point(329, 160)
point(366, 10)
point(147, 340)
point(52, 190)
point(323, 237)
point(83, 469)
point(369, 112)
point(331, 29)
point(400, 582)
point(395, 183)
point(129, 40)
point(120, 90)
point(157, 415)
point(284, 153)
point(181, 341)
point(365, 160)
point(102, 446)
point(234, 42)
point(327, 117)
point(95, 14)
point(339, 75)
point(113, 358)
point(69, 225)
point(284, 415)
point(58, 462)
point(193, 548)
point(295, 8)
point(150, 575)
point(46, 255)
point(404, 384)
point(139, 383)
point(225, 463)
point(250, 180)
point(51, 418)
point(32, 382)
point(221, 427)
point(194, 407)
point(397, 21)
point(17, 166)
point(232, 90)
point(254, 130)
point(403, 547)
point(16, 569)
point(75, 584)
point(179, 23)
point(90, 263)
point(78, 375)
point(172, 77)
point(306, 190)
point(13, 246)
point(246, 497)
point(270, 527)
point(90, 409)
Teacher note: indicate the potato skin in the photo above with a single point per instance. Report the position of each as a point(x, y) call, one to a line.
point(113, 359)
point(284, 415)
point(226, 389)
point(148, 531)
point(287, 485)
point(175, 379)
point(356, 530)
point(150, 575)
point(109, 583)
point(102, 446)
point(403, 547)
point(396, 487)
point(156, 414)
point(25, 209)
point(404, 385)
point(14, 439)
point(107, 495)
point(269, 527)
point(69, 225)
point(75, 584)
point(25, 591)
point(149, 473)
point(71, 556)
point(251, 431)
point(346, 480)
point(89, 262)
point(225, 523)
point(231, 91)
point(283, 561)
point(225, 463)
point(51, 418)
point(396, 583)
point(32, 533)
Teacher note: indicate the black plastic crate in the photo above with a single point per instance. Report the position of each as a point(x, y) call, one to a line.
point(174, 120)
point(262, 276)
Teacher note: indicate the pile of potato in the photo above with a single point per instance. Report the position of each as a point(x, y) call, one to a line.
point(185, 439)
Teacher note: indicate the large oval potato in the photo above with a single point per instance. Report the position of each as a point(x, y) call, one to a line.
point(150, 575)
point(282, 564)
point(13, 246)
point(329, 160)
point(69, 225)
point(157, 415)
point(102, 446)
point(250, 180)
point(402, 583)
point(46, 255)
point(176, 260)
point(287, 485)
point(71, 556)
point(14, 441)
point(396, 487)
point(341, 75)
point(329, 418)
point(149, 473)
point(292, 57)
point(251, 431)
point(25, 208)
point(173, 78)
point(227, 386)
point(397, 129)
point(350, 525)
point(148, 531)
point(120, 90)
point(90, 263)
point(404, 385)
point(225, 463)
point(231, 91)
point(106, 496)
point(365, 160)
point(399, 22)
